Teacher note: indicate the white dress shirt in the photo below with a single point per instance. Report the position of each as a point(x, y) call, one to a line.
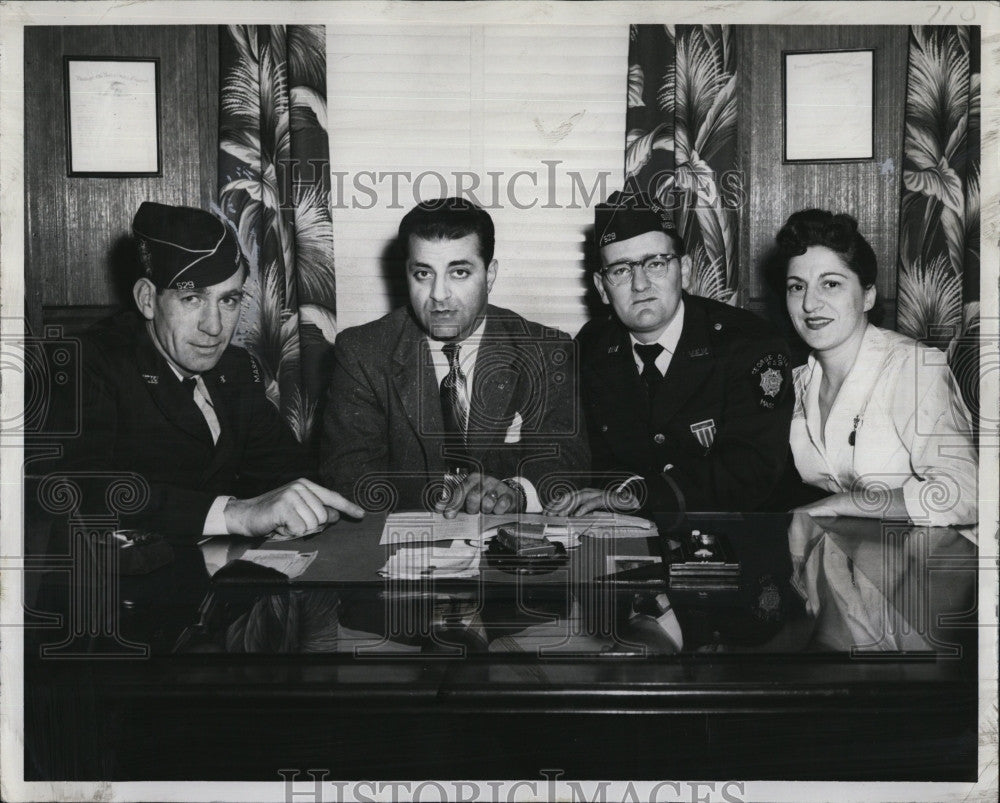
point(469, 349)
point(467, 353)
point(668, 338)
point(911, 430)
point(215, 521)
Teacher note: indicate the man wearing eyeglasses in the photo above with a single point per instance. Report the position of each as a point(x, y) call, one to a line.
point(688, 400)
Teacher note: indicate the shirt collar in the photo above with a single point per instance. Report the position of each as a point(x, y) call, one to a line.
point(669, 337)
point(469, 345)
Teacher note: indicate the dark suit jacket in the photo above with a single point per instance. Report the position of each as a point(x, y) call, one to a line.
point(383, 433)
point(135, 417)
point(718, 422)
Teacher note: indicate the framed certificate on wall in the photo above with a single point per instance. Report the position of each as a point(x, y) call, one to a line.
point(112, 116)
point(829, 105)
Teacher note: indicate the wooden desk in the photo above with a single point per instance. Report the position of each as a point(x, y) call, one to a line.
point(799, 700)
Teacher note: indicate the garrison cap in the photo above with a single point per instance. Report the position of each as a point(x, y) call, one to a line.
point(182, 248)
point(624, 216)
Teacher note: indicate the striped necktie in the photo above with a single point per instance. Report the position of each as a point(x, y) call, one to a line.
point(454, 395)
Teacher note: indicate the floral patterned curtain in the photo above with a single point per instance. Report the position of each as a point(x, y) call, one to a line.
point(938, 292)
point(680, 145)
point(274, 187)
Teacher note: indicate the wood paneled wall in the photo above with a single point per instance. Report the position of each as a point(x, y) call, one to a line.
point(74, 224)
point(870, 191)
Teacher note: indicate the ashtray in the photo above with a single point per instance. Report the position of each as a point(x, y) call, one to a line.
point(522, 549)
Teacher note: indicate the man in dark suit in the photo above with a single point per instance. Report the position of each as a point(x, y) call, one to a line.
point(452, 385)
point(166, 398)
point(688, 400)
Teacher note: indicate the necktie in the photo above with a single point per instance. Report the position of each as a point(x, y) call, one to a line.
point(190, 384)
point(454, 397)
point(650, 373)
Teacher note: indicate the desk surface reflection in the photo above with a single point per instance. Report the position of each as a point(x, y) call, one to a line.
point(848, 629)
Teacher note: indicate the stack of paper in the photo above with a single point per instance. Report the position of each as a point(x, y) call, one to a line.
point(420, 527)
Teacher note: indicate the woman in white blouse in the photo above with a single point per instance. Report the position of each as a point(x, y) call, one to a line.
point(879, 421)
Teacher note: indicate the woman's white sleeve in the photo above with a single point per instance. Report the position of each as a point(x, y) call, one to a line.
point(932, 419)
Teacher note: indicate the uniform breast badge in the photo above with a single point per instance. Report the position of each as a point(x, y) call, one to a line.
point(704, 431)
point(770, 373)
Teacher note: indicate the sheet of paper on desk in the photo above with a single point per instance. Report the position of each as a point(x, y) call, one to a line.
point(289, 563)
point(423, 527)
point(594, 525)
point(612, 525)
point(423, 561)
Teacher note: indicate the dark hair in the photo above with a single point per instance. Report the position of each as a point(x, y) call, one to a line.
point(448, 219)
point(839, 233)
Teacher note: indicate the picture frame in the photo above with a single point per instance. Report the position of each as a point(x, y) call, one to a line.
point(840, 78)
point(112, 109)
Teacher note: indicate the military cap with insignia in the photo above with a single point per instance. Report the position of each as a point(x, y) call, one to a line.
point(627, 215)
point(182, 248)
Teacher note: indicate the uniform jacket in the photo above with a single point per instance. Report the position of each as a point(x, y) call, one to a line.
point(383, 432)
point(136, 417)
point(898, 422)
point(715, 437)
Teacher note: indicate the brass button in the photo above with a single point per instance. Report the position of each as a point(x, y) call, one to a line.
point(659, 437)
point(604, 427)
point(718, 327)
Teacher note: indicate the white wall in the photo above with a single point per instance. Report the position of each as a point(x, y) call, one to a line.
point(475, 99)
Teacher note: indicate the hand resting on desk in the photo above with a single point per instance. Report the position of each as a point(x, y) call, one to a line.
point(480, 493)
point(300, 507)
point(587, 500)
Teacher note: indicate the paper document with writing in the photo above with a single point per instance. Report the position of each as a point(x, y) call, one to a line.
point(420, 526)
point(413, 563)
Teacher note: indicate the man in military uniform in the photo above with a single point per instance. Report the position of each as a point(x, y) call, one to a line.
point(688, 400)
point(166, 397)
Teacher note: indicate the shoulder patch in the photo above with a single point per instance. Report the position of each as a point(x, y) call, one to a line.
point(770, 373)
point(255, 369)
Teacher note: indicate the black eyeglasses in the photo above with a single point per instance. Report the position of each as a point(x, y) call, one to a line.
point(655, 267)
